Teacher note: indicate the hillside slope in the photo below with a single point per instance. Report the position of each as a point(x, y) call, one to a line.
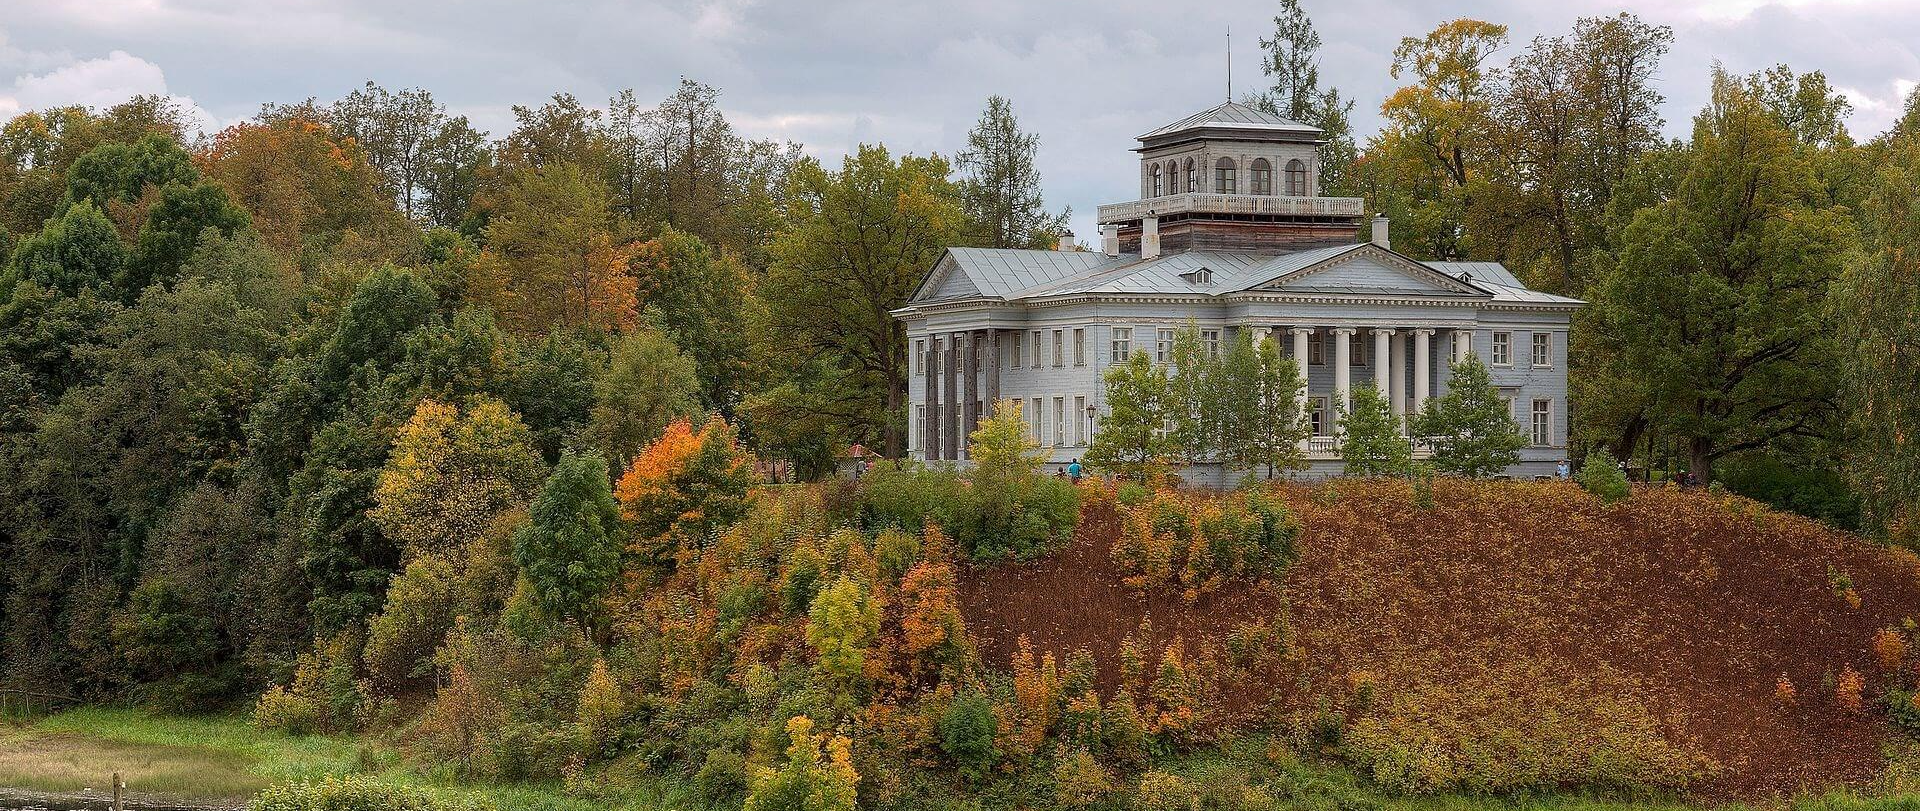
point(1513, 611)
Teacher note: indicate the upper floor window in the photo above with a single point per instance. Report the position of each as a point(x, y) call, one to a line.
point(1543, 422)
point(1262, 176)
point(1163, 346)
point(1059, 348)
point(1155, 181)
point(1296, 178)
point(920, 356)
point(1502, 349)
point(1036, 349)
point(1210, 338)
point(1357, 349)
point(1079, 347)
point(1122, 344)
point(1193, 177)
point(1223, 179)
point(1013, 350)
point(1543, 349)
point(1316, 349)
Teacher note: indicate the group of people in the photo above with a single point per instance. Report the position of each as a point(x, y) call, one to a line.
point(1071, 470)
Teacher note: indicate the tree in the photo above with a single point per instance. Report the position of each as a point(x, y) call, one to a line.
point(1439, 129)
point(77, 251)
point(1370, 440)
point(646, 385)
point(1601, 476)
point(1191, 409)
point(1257, 418)
point(857, 243)
point(1131, 440)
point(1878, 312)
point(683, 487)
point(550, 260)
point(173, 228)
point(1001, 448)
point(569, 549)
point(967, 732)
point(1718, 302)
point(1470, 427)
point(806, 782)
point(120, 173)
point(298, 180)
point(699, 296)
point(999, 186)
point(1292, 62)
point(453, 471)
point(427, 160)
point(841, 624)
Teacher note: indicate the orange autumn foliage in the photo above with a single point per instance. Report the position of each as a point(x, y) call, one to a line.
point(1889, 647)
point(1036, 696)
point(1783, 692)
point(685, 485)
point(1847, 689)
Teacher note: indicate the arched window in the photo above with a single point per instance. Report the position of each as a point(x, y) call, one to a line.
point(1156, 181)
point(1262, 176)
point(1193, 177)
point(1223, 179)
point(1297, 178)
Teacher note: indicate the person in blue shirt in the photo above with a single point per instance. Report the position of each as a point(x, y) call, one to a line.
point(1073, 471)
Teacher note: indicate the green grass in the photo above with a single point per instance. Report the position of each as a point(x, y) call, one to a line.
point(219, 759)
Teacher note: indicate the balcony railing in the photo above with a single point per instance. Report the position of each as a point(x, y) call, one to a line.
point(1327, 448)
point(1195, 202)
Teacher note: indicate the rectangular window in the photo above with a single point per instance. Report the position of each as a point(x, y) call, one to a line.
point(1122, 344)
point(1033, 419)
point(1079, 347)
point(1543, 349)
point(1357, 348)
point(1163, 346)
point(939, 356)
point(1321, 427)
point(1013, 347)
point(1036, 349)
point(1060, 420)
point(1223, 179)
point(1502, 349)
point(1543, 422)
point(1059, 347)
point(920, 356)
point(1080, 420)
point(1316, 349)
point(920, 427)
point(1210, 338)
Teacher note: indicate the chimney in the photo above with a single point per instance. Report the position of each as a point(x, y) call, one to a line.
point(1150, 237)
point(1110, 240)
point(1380, 232)
point(1066, 241)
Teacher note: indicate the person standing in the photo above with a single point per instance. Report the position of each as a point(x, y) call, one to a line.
point(1073, 471)
point(1563, 469)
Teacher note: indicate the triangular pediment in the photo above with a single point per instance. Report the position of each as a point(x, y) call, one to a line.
point(948, 280)
point(1369, 270)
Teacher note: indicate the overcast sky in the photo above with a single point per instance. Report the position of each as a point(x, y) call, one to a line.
point(1085, 76)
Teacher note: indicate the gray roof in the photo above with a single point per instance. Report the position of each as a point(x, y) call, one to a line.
point(1232, 115)
point(1497, 279)
point(1014, 274)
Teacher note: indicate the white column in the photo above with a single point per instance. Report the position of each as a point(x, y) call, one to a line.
point(1422, 367)
point(1342, 369)
point(1462, 344)
point(1300, 337)
point(1382, 353)
point(1398, 371)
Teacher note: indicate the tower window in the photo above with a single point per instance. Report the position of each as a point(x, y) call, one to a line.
point(1223, 179)
point(1156, 181)
point(1296, 178)
point(1193, 177)
point(1262, 176)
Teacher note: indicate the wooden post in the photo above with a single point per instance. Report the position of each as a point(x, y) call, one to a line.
point(117, 785)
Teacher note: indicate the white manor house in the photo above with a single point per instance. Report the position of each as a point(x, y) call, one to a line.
point(1230, 234)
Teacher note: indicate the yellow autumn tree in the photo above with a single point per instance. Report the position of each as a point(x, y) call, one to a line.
point(808, 781)
point(450, 473)
point(683, 486)
point(550, 259)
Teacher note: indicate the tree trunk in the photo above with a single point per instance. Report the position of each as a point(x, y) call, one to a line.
point(1700, 459)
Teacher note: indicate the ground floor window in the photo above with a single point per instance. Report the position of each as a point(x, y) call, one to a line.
point(1543, 422)
point(920, 427)
point(1033, 421)
point(1080, 421)
point(1319, 416)
point(1059, 420)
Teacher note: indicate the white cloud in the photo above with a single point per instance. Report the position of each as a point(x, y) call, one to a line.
point(99, 83)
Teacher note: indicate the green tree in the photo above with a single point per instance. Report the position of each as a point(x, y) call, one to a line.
point(1002, 450)
point(967, 732)
point(856, 244)
point(1438, 132)
point(173, 229)
point(1131, 439)
point(119, 172)
point(569, 549)
point(1601, 476)
point(1370, 438)
point(699, 296)
point(79, 250)
point(1292, 62)
point(1192, 405)
point(646, 384)
point(1257, 420)
point(1470, 428)
point(1718, 302)
point(1000, 187)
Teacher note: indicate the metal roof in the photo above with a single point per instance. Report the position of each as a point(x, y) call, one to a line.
point(1497, 279)
point(1232, 115)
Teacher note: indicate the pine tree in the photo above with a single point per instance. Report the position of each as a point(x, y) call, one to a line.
point(569, 550)
point(1292, 59)
point(999, 186)
point(1470, 427)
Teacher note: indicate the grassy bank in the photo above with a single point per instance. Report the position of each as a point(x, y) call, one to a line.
point(224, 759)
point(221, 760)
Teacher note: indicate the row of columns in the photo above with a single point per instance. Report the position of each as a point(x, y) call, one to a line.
point(1389, 366)
point(959, 376)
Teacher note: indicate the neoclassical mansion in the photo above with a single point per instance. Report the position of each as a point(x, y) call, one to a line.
point(1230, 234)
